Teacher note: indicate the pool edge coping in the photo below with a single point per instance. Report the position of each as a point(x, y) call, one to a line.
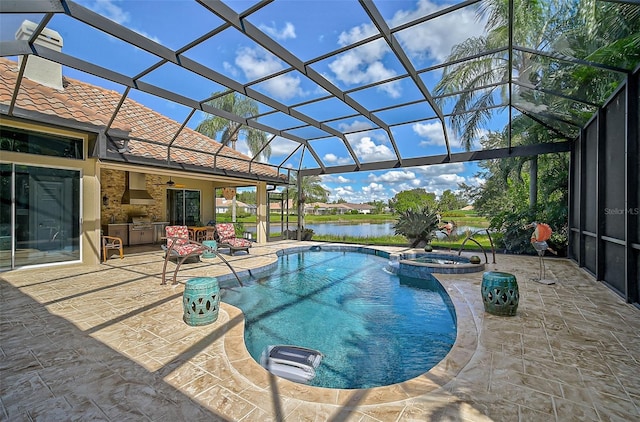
point(445, 371)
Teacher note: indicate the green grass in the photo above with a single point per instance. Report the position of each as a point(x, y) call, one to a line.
point(461, 218)
point(453, 244)
point(468, 219)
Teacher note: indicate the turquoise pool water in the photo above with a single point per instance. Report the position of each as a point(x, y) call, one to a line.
point(373, 327)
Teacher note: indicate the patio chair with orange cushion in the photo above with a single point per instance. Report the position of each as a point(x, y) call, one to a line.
point(179, 246)
point(226, 234)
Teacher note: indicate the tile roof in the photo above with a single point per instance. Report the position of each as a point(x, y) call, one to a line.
point(86, 103)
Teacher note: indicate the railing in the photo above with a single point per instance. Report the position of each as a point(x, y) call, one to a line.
point(470, 237)
point(197, 252)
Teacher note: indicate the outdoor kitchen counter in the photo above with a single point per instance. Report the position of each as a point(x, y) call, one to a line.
point(117, 230)
point(136, 237)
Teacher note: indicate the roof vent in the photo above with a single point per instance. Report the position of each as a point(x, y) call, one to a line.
point(41, 70)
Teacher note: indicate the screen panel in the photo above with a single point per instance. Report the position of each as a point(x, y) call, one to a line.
point(589, 188)
point(614, 169)
point(614, 269)
point(590, 253)
point(574, 206)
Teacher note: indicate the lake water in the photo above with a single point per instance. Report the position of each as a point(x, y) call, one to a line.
point(368, 229)
point(355, 230)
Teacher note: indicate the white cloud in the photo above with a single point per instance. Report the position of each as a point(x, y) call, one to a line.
point(438, 178)
point(364, 64)
point(335, 160)
point(442, 33)
point(343, 192)
point(383, 185)
point(289, 31)
point(437, 170)
point(432, 135)
point(231, 69)
point(367, 150)
point(284, 87)
point(476, 181)
point(109, 9)
point(431, 40)
point(394, 176)
point(334, 179)
point(373, 188)
point(330, 158)
point(243, 148)
point(282, 147)
point(355, 126)
point(257, 62)
point(432, 132)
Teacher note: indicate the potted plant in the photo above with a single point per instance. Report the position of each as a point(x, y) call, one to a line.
point(419, 227)
point(307, 234)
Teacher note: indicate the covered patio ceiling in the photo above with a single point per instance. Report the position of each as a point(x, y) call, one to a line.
point(370, 101)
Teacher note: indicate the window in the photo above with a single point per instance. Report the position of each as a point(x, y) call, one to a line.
point(18, 140)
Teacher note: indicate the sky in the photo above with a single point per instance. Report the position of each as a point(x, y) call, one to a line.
point(175, 23)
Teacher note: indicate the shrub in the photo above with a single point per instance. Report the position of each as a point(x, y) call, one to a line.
point(419, 227)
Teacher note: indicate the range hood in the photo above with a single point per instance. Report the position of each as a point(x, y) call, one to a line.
point(136, 190)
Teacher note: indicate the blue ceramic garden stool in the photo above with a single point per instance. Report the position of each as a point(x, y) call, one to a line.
point(201, 301)
point(500, 293)
point(213, 245)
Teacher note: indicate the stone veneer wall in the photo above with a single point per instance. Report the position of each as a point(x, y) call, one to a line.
point(113, 185)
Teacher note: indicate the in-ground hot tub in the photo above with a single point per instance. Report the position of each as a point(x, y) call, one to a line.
point(421, 265)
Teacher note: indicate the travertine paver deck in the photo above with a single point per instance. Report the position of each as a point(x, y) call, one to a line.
point(108, 343)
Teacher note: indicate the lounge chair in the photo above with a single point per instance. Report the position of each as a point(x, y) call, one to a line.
point(179, 246)
point(226, 238)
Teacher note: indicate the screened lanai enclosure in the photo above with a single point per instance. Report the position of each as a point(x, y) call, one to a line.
point(338, 87)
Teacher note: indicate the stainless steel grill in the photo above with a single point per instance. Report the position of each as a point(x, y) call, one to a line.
point(141, 223)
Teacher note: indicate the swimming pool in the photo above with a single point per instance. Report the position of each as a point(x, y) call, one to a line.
point(373, 327)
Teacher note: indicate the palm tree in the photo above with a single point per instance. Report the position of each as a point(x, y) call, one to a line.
point(608, 33)
point(244, 107)
point(311, 190)
point(534, 26)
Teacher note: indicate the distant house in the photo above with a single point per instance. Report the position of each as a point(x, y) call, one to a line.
point(320, 208)
point(225, 205)
point(362, 208)
point(289, 207)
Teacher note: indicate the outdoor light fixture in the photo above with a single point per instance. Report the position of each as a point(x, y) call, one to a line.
point(105, 200)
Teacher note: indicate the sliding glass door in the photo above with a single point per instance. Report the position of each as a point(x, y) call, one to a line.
point(6, 217)
point(183, 207)
point(39, 215)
